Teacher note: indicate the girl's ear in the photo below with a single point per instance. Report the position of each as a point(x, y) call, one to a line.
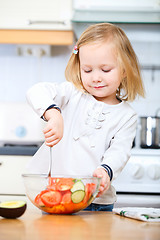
point(124, 74)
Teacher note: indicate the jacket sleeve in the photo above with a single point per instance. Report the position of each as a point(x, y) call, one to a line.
point(42, 95)
point(118, 153)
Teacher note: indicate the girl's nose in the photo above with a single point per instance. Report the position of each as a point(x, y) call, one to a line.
point(96, 77)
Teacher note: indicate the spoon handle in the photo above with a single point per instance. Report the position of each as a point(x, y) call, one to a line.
point(50, 167)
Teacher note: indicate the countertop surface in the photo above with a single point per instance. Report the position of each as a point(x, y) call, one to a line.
point(83, 225)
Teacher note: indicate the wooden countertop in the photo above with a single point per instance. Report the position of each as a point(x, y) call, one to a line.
point(80, 226)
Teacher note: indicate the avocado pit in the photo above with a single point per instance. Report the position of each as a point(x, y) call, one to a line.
point(12, 209)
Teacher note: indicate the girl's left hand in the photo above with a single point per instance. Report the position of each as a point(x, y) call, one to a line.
point(105, 181)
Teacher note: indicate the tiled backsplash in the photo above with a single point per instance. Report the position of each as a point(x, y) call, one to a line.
point(18, 73)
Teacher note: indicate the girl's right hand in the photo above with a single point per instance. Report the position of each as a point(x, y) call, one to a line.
point(53, 132)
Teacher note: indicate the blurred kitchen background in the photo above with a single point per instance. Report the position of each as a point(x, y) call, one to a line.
point(36, 40)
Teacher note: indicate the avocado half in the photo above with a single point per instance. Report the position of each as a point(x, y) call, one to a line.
point(12, 209)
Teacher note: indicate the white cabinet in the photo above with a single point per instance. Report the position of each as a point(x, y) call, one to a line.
point(11, 170)
point(36, 14)
point(116, 11)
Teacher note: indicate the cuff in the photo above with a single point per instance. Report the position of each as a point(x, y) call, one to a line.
point(51, 106)
point(109, 170)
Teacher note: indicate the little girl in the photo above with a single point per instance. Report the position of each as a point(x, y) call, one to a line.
point(90, 125)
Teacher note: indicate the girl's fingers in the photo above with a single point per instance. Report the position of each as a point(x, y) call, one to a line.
point(48, 135)
point(47, 129)
point(51, 144)
point(103, 181)
point(97, 174)
point(51, 138)
point(104, 185)
point(101, 188)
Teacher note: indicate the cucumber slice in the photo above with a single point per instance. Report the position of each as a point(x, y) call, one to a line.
point(77, 196)
point(78, 186)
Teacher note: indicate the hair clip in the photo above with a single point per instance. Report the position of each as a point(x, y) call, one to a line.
point(75, 51)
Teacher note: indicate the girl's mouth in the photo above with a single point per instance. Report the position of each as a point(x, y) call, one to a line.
point(99, 87)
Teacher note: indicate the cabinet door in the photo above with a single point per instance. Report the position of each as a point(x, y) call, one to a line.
point(36, 14)
point(11, 170)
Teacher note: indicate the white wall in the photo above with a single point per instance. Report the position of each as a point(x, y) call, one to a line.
point(18, 73)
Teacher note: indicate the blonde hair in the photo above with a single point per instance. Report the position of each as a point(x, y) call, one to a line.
point(131, 84)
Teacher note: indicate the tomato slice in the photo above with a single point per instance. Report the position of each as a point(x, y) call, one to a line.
point(87, 193)
point(64, 184)
point(66, 198)
point(52, 183)
point(38, 200)
point(51, 198)
point(92, 188)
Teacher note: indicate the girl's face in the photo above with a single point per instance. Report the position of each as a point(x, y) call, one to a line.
point(100, 73)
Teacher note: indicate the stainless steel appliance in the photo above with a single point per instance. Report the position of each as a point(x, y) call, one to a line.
point(150, 131)
point(139, 182)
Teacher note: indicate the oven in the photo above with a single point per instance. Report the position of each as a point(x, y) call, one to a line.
point(138, 185)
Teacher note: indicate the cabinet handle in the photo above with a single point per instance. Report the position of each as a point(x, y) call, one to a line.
point(1, 163)
point(30, 22)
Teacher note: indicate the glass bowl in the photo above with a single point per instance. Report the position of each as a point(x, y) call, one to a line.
point(60, 195)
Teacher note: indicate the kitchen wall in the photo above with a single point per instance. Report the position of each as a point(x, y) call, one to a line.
point(18, 73)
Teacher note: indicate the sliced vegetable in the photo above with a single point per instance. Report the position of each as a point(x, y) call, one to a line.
point(65, 195)
point(78, 186)
point(92, 187)
point(64, 184)
point(78, 196)
point(52, 182)
point(51, 198)
point(88, 194)
point(38, 200)
point(66, 198)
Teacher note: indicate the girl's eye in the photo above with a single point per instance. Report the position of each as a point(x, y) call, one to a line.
point(87, 71)
point(106, 70)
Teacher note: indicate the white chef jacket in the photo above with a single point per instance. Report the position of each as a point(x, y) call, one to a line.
point(95, 133)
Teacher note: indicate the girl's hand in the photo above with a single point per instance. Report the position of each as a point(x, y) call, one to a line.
point(105, 181)
point(53, 132)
